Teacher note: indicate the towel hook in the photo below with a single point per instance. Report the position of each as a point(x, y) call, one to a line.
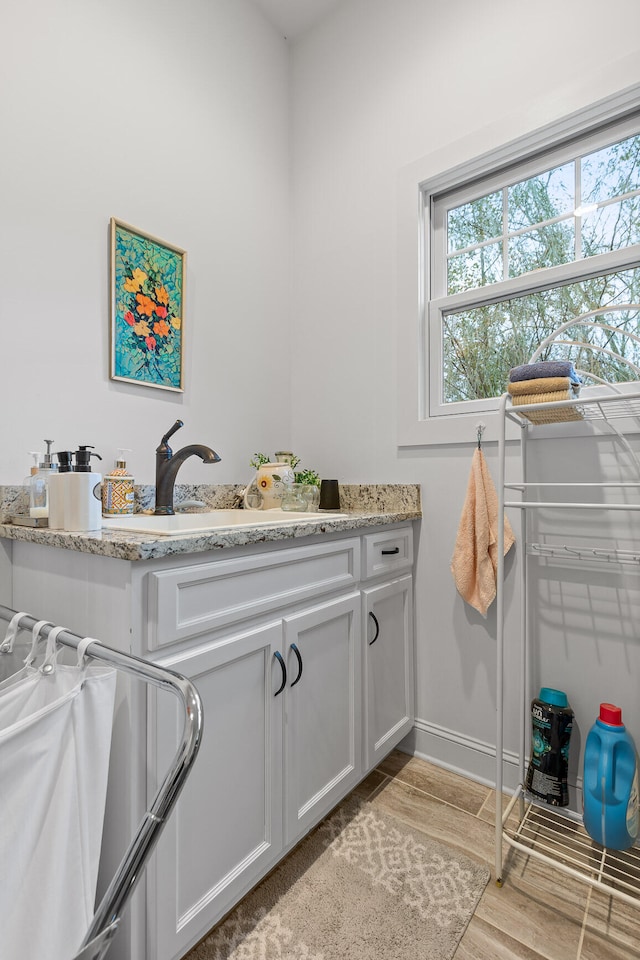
point(480, 428)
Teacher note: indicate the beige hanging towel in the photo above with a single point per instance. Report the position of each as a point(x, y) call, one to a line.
point(475, 557)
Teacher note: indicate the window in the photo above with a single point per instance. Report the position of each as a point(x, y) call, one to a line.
point(512, 254)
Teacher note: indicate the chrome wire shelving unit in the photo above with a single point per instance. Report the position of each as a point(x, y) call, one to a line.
point(546, 833)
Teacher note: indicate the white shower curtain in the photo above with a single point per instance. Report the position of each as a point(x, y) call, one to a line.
point(55, 737)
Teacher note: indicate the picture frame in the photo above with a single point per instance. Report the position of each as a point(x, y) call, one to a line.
point(147, 309)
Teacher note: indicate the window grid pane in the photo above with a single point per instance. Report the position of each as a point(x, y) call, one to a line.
point(611, 172)
point(612, 226)
point(542, 198)
point(548, 246)
point(473, 223)
point(476, 268)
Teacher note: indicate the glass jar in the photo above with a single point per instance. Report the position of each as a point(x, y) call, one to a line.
point(312, 494)
point(294, 497)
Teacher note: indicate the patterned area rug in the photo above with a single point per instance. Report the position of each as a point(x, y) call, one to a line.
point(361, 886)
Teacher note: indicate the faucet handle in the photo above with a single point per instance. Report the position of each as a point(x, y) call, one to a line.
point(173, 430)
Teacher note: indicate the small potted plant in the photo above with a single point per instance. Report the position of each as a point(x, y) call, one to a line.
point(310, 480)
point(258, 459)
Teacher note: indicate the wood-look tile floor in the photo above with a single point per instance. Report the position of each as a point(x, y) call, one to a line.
point(539, 913)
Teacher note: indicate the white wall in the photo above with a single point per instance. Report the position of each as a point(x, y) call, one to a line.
point(376, 87)
point(173, 117)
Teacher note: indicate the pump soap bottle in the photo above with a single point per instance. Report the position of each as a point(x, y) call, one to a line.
point(82, 495)
point(117, 489)
point(57, 487)
point(37, 457)
point(39, 485)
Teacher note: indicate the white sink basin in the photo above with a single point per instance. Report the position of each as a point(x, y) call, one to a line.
point(206, 522)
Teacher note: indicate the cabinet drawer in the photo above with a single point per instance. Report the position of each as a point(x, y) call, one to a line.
point(187, 601)
point(387, 552)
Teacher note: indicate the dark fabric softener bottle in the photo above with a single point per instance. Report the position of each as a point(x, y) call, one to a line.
point(552, 720)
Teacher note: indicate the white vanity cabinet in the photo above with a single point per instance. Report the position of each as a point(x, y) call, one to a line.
point(283, 721)
point(388, 643)
point(333, 613)
point(281, 746)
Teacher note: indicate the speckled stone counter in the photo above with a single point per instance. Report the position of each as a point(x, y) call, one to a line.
point(366, 505)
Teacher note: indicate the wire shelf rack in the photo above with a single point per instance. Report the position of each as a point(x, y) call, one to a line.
point(555, 838)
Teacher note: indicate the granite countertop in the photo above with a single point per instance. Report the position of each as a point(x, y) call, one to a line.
point(364, 506)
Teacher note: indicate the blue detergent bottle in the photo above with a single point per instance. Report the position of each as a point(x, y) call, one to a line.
point(610, 790)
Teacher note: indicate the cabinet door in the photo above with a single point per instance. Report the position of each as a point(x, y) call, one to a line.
point(388, 671)
point(323, 720)
point(226, 829)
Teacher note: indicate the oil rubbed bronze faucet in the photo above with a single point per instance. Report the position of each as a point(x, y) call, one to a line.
point(167, 465)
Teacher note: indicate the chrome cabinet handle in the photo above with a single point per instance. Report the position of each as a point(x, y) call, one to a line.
point(280, 660)
point(299, 657)
point(375, 620)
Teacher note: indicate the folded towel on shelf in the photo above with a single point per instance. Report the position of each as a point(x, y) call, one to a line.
point(474, 563)
point(547, 397)
point(541, 385)
point(544, 368)
point(559, 415)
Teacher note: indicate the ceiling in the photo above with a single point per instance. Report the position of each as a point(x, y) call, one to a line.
point(295, 17)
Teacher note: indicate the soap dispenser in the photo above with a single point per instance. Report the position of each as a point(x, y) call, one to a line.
point(117, 490)
point(37, 457)
point(39, 485)
point(82, 494)
point(57, 487)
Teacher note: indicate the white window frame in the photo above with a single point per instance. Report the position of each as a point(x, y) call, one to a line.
point(422, 417)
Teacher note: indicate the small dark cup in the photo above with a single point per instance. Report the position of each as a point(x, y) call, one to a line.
point(329, 495)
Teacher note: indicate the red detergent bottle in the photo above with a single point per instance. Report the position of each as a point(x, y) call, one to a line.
point(610, 788)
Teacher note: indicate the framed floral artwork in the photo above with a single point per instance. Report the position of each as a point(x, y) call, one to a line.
point(147, 309)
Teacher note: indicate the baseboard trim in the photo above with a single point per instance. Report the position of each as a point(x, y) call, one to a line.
point(460, 753)
point(475, 758)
